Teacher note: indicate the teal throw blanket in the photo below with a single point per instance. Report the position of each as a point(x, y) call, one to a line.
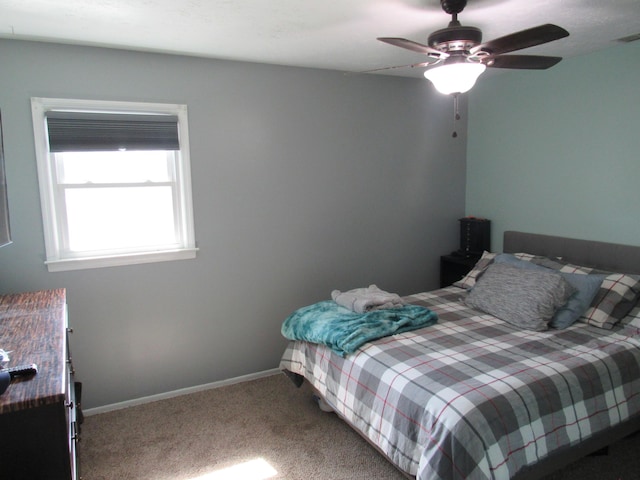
point(344, 330)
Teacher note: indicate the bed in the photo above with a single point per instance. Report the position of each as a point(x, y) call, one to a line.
point(477, 397)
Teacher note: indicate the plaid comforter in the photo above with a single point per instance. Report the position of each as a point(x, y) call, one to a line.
point(473, 397)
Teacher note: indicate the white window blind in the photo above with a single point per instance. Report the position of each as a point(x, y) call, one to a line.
point(89, 132)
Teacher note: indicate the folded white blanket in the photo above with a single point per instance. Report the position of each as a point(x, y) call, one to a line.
point(362, 300)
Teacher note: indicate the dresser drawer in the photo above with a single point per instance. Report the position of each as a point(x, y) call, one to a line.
point(72, 407)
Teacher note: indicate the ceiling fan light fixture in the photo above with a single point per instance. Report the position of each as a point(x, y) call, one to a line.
point(455, 77)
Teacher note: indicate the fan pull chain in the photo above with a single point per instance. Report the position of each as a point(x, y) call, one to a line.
point(456, 114)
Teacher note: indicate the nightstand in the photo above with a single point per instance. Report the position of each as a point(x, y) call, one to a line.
point(454, 267)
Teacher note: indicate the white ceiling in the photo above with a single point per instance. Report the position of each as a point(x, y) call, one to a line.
point(330, 34)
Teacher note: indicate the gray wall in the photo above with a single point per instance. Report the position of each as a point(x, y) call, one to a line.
point(556, 151)
point(303, 181)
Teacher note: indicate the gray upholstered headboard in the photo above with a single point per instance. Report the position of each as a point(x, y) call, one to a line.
point(607, 256)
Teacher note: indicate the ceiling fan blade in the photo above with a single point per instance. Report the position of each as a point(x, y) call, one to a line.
point(413, 46)
point(526, 62)
point(523, 39)
point(415, 65)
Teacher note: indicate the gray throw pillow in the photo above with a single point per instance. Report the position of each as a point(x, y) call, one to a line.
point(586, 288)
point(525, 298)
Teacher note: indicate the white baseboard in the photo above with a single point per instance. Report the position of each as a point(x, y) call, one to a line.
point(182, 391)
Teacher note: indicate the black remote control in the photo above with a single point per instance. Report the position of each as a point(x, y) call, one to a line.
point(22, 371)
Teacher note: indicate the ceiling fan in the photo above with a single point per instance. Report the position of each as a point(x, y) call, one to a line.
point(459, 55)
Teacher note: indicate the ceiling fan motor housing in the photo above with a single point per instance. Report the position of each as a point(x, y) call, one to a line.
point(453, 7)
point(455, 39)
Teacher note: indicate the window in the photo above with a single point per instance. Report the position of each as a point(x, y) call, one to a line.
point(115, 183)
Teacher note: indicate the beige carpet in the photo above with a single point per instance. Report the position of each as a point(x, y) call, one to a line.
point(196, 436)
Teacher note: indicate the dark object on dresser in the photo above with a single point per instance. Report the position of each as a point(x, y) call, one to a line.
point(38, 414)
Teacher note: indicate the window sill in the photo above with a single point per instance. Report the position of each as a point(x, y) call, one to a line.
point(120, 260)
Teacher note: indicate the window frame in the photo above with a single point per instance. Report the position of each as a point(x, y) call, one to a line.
point(54, 219)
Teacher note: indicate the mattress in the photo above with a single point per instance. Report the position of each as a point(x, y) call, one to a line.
point(473, 396)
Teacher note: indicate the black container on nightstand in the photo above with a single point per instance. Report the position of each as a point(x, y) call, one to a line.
point(475, 236)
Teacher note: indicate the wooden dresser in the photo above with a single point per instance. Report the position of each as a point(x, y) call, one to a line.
point(38, 428)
